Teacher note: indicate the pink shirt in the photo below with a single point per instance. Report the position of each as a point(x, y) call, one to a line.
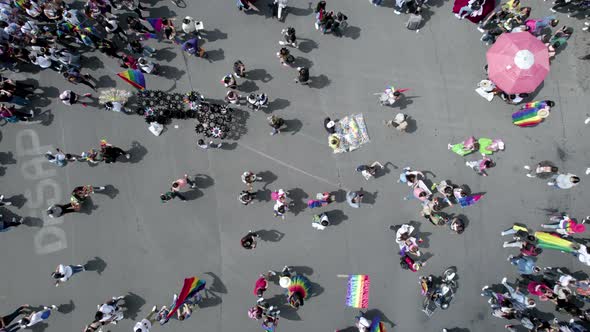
point(181, 183)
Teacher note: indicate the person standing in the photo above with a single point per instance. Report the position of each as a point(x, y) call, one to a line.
point(564, 181)
point(145, 324)
point(525, 265)
point(73, 76)
point(182, 182)
point(64, 272)
point(70, 98)
point(110, 153)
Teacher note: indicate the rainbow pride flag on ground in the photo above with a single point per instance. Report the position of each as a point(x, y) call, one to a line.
point(191, 286)
point(357, 292)
point(554, 242)
point(469, 200)
point(156, 23)
point(133, 77)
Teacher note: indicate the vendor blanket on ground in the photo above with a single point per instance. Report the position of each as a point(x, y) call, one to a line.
point(351, 133)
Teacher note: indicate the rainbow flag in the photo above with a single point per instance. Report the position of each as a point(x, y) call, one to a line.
point(133, 77)
point(156, 23)
point(191, 286)
point(377, 325)
point(300, 284)
point(554, 242)
point(469, 200)
point(357, 292)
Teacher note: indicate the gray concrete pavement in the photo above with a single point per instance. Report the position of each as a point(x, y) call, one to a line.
point(149, 247)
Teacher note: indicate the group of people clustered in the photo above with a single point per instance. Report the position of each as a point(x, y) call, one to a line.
point(51, 35)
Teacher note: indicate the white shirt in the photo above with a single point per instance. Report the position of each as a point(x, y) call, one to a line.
point(39, 317)
point(42, 62)
point(144, 326)
point(189, 27)
point(63, 269)
point(583, 256)
point(564, 280)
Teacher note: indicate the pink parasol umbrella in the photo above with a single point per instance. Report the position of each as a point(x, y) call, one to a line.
point(518, 62)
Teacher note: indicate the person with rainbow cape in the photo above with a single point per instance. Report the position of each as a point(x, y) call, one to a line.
point(486, 146)
point(533, 113)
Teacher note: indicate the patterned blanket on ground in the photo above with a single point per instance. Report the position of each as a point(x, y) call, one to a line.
point(352, 133)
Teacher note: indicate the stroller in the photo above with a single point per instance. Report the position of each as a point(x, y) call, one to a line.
point(257, 101)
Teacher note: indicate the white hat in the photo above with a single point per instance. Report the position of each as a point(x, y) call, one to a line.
point(330, 124)
point(285, 282)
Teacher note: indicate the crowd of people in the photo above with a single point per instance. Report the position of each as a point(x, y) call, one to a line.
point(56, 35)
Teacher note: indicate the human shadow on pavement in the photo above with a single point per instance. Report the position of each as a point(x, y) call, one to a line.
point(17, 201)
point(374, 313)
point(45, 118)
point(339, 195)
point(7, 158)
point(352, 32)
point(203, 180)
point(368, 197)
point(88, 206)
point(336, 217)
point(412, 125)
point(297, 195)
point(137, 152)
point(109, 190)
point(403, 103)
point(305, 270)
point(217, 285)
point(209, 299)
point(171, 73)
point(106, 81)
point(165, 54)
point(248, 86)
point(420, 235)
point(215, 55)
point(66, 308)
point(92, 62)
point(301, 11)
point(458, 329)
point(302, 62)
point(40, 327)
point(263, 195)
point(268, 177)
point(133, 304)
point(319, 82)
point(292, 126)
point(192, 194)
point(316, 289)
point(96, 264)
point(259, 75)
point(229, 146)
point(213, 35)
point(307, 45)
point(276, 104)
point(271, 235)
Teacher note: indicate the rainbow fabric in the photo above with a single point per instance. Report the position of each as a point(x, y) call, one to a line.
point(377, 325)
point(191, 286)
point(149, 35)
point(300, 284)
point(554, 242)
point(156, 23)
point(133, 77)
point(527, 117)
point(469, 200)
point(357, 292)
point(535, 104)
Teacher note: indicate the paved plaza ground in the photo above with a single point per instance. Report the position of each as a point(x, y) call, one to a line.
point(144, 248)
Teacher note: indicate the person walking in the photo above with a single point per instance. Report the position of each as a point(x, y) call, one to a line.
point(201, 143)
point(369, 171)
point(64, 272)
point(290, 37)
point(249, 240)
point(544, 170)
point(276, 123)
point(525, 265)
point(110, 153)
point(480, 165)
point(145, 324)
point(6, 320)
point(564, 181)
point(6, 224)
point(36, 317)
point(73, 76)
point(69, 97)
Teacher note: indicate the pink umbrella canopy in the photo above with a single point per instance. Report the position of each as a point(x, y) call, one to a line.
point(518, 62)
